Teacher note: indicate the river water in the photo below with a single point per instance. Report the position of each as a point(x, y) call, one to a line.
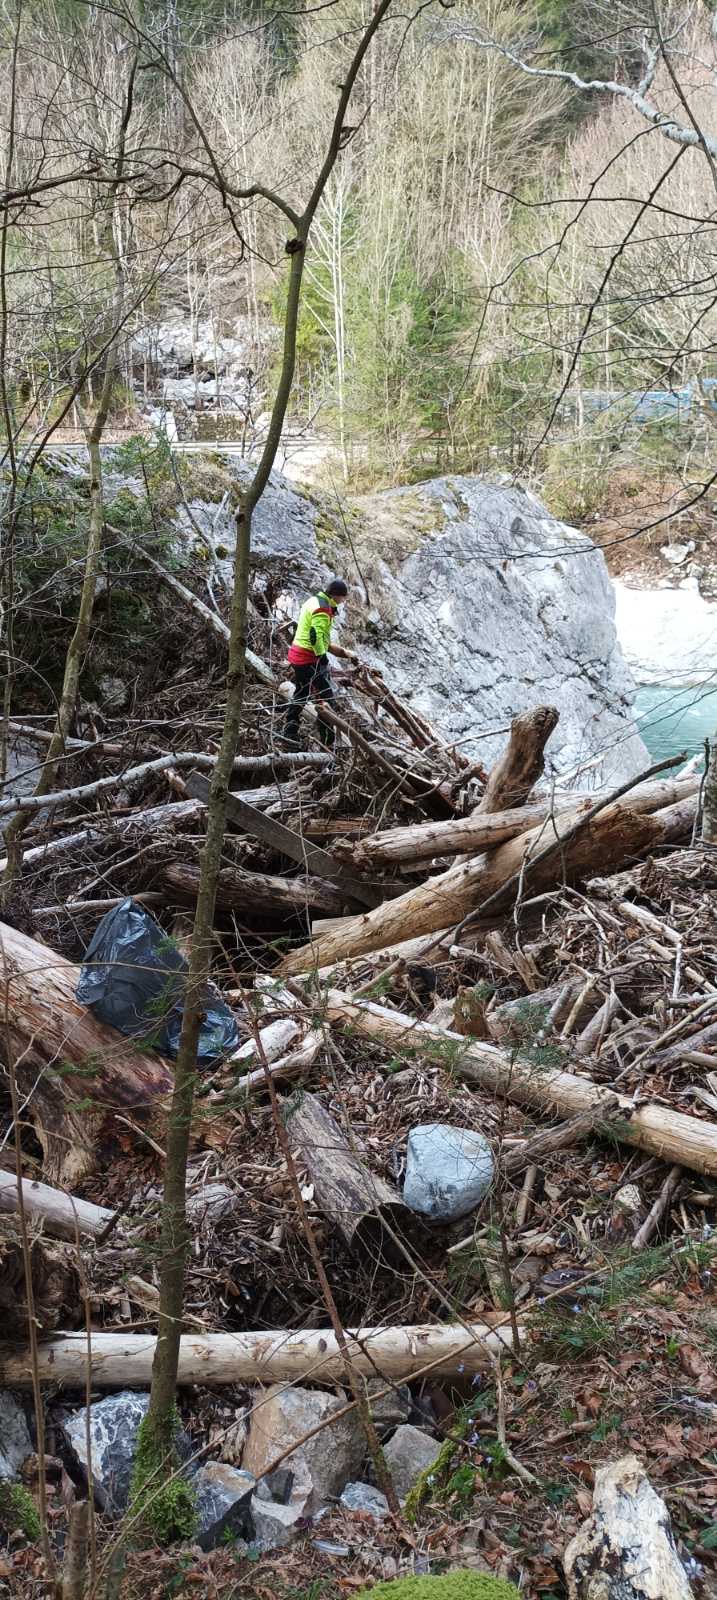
point(671, 719)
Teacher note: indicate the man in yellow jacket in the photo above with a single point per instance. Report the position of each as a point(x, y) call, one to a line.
point(309, 659)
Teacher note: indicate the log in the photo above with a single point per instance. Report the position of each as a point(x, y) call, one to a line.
point(362, 1206)
point(512, 777)
point(72, 1070)
point(625, 1551)
point(55, 1283)
point(421, 841)
point(609, 839)
point(257, 895)
point(309, 856)
point(124, 1360)
point(671, 1135)
point(62, 1215)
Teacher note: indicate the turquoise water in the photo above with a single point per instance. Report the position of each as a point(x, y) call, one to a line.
point(670, 719)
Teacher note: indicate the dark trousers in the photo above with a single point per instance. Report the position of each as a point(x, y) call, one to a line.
point(313, 679)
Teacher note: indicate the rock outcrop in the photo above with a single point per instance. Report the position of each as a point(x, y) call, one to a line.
point(481, 605)
point(488, 605)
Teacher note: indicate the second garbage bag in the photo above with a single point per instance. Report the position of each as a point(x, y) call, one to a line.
point(133, 978)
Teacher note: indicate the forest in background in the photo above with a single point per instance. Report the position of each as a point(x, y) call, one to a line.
point(496, 253)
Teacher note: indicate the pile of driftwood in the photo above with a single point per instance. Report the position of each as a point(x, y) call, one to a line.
point(478, 912)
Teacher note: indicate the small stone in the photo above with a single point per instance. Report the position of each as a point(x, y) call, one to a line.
point(282, 1501)
point(363, 1497)
point(448, 1171)
point(408, 1454)
point(15, 1441)
point(629, 1199)
point(328, 1547)
point(224, 1498)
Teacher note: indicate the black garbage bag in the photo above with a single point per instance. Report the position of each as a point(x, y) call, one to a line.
point(133, 978)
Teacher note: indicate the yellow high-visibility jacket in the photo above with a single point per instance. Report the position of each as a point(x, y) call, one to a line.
point(313, 631)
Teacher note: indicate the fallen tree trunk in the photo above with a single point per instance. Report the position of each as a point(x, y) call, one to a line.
point(124, 1360)
point(55, 1284)
point(609, 839)
point(420, 841)
point(72, 1071)
point(516, 772)
point(62, 1215)
point(669, 1134)
point(257, 894)
point(362, 1206)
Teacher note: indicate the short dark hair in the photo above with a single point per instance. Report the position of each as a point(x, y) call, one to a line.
point(337, 586)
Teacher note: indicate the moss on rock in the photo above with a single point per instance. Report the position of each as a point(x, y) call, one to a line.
point(166, 1501)
point(451, 1586)
point(18, 1511)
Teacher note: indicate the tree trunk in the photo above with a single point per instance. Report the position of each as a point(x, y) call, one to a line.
point(124, 1360)
point(72, 1071)
point(62, 1215)
point(709, 798)
point(421, 841)
point(522, 762)
point(658, 1129)
point(77, 648)
point(610, 839)
point(160, 1424)
point(257, 895)
point(55, 1283)
point(355, 1200)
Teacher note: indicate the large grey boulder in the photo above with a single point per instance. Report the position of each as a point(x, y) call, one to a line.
point(223, 1500)
point(409, 1454)
point(448, 1171)
point(114, 1425)
point(329, 1460)
point(15, 1441)
point(487, 606)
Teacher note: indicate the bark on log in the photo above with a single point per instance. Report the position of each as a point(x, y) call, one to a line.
point(360, 1204)
point(625, 1551)
point(257, 895)
point(610, 839)
point(522, 762)
point(72, 1071)
point(421, 841)
point(124, 1361)
point(657, 1129)
point(55, 1284)
point(62, 1215)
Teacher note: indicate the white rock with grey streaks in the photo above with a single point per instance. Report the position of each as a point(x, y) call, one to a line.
point(365, 1498)
point(114, 1425)
point(223, 1503)
point(15, 1441)
point(448, 1171)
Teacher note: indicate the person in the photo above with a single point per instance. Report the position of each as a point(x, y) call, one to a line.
point(308, 657)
